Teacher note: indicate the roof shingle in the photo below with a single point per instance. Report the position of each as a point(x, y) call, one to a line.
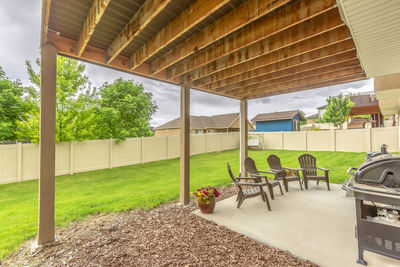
point(204, 122)
point(276, 116)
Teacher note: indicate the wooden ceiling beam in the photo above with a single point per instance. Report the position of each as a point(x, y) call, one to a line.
point(320, 84)
point(280, 48)
point(186, 21)
point(147, 12)
point(68, 47)
point(300, 82)
point(96, 11)
point(296, 75)
point(238, 18)
point(262, 32)
point(312, 49)
point(318, 66)
point(45, 20)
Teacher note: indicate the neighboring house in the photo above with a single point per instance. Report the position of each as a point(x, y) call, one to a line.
point(312, 118)
point(321, 110)
point(365, 104)
point(204, 124)
point(278, 121)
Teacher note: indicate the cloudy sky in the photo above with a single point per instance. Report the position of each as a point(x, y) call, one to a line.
point(20, 31)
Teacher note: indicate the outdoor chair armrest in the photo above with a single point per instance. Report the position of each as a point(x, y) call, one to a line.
point(269, 172)
point(252, 178)
point(275, 171)
point(323, 169)
point(257, 175)
point(253, 184)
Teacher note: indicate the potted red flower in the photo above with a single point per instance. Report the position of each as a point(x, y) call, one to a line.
point(206, 198)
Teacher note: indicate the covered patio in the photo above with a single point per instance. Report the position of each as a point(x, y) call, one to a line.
point(242, 49)
point(314, 225)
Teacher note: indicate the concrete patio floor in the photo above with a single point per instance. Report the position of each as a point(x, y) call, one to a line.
point(313, 224)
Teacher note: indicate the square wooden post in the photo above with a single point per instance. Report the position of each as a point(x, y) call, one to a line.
point(47, 143)
point(185, 145)
point(244, 131)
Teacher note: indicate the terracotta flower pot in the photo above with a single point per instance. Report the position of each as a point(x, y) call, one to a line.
point(206, 208)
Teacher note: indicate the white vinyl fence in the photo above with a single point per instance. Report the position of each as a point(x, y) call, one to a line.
point(354, 140)
point(20, 162)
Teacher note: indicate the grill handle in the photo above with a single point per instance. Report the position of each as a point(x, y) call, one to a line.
point(352, 171)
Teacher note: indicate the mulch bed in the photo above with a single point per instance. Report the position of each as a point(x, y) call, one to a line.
point(169, 235)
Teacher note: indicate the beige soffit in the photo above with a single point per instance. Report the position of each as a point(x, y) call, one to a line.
point(389, 106)
point(374, 26)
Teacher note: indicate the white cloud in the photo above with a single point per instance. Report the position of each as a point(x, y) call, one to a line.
point(20, 31)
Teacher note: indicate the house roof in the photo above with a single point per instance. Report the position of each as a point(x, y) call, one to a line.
point(204, 122)
point(277, 116)
point(322, 107)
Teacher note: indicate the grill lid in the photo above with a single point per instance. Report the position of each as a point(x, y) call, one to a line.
point(383, 169)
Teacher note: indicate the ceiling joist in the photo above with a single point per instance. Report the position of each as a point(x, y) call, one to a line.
point(45, 20)
point(96, 11)
point(149, 10)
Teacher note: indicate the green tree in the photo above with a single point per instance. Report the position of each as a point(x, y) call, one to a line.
point(125, 110)
point(337, 110)
point(16, 102)
point(75, 109)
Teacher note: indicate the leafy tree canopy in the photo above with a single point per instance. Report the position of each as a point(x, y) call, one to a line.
point(125, 110)
point(16, 102)
point(337, 110)
point(118, 110)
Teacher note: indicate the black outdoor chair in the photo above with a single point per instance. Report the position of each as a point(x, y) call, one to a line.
point(249, 189)
point(308, 164)
point(251, 168)
point(283, 173)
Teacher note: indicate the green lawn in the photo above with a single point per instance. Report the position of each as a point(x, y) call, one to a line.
point(142, 186)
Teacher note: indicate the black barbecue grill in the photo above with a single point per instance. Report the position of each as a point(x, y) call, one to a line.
point(376, 188)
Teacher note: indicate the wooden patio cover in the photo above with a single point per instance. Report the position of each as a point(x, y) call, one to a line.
point(236, 48)
point(243, 49)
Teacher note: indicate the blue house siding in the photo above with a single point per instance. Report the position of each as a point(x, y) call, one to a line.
point(276, 126)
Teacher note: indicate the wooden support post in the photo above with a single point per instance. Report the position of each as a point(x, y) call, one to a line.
point(47, 143)
point(185, 145)
point(243, 135)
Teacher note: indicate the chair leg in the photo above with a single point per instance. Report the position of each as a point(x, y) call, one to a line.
point(300, 184)
point(305, 182)
point(238, 196)
point(262, 196)
point(327, 183)
point(271, 191)
point(280, 188)
point(317, 182)
point(266, 200)
point(285, 184)
point(241, 201)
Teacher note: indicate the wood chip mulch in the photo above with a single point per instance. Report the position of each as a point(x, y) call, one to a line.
point(169, 235)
